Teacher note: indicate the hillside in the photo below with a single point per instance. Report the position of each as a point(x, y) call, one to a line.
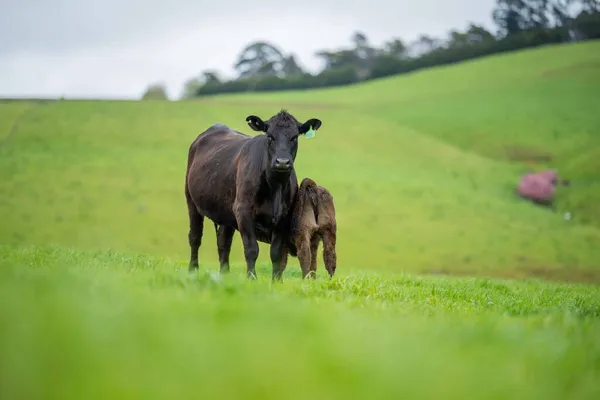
point(97, 300)
point(420, 167)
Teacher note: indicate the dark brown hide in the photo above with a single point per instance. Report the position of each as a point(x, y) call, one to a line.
point(313, 221)
point(244, 183)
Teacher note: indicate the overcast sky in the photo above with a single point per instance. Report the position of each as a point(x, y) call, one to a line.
point(115, 48)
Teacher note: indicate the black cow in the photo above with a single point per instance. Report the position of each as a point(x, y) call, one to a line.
point(244, 183)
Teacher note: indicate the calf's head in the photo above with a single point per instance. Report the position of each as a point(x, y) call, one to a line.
point(282, 131)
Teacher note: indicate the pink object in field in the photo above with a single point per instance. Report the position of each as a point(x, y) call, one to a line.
point(550, 175)
point(539, 187)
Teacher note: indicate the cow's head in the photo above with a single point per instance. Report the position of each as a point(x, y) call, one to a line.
point(282, 131)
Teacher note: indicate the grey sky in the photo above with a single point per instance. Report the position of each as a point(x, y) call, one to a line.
point(115, 48)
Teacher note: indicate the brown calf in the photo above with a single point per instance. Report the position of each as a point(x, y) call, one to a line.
point(313, 220)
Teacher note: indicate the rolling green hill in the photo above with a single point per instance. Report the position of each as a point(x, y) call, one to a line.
point(97, 301)
point(421, 166)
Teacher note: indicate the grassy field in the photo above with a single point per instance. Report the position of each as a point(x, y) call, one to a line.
point(107, 325)
point(97, 301)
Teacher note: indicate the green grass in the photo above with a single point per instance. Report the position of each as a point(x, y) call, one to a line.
point(98, 303)
point(97, 325)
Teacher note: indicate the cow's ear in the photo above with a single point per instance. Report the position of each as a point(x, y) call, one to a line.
point(256, 123)
point(315, 123)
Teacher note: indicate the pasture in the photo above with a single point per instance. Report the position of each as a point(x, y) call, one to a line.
point(96, 297)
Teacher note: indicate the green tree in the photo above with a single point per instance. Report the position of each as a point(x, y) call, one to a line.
point(259, 59)
point(561, 11)
point(211, 77)
point(478, 34)
point(190, 88)
point(513, 16)
point(395, 48)
point(155, 91)
point(192, 85)
point(424, 44)
point(338, 59)
point(473, 35)
point(364, 54)
point(290, 66)
point(510, 16)
point(359, 57)
point(590, 6)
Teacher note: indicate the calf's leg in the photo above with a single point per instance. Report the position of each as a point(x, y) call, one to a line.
point(314, 248)
point(329, 255)
point(304, 256)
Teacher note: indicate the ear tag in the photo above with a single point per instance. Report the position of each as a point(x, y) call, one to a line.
point(310, 133)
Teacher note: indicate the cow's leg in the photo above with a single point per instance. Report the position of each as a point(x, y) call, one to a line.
point(245, 223)
point(329, 255)
point(195, 232)
point(279, 258)
point(284, 258)
point(277, 253)
point(314, 248)
point(224, 239)
point(303, 246)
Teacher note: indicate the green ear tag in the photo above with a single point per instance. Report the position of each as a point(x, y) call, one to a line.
point(310, 133)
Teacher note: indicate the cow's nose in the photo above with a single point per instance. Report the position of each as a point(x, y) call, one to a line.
point(283, 162)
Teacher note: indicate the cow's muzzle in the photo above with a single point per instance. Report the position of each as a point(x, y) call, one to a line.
point(283, 164)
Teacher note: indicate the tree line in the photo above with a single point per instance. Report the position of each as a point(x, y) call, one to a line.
point(262, 66)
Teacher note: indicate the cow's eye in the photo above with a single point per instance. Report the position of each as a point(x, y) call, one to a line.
point(294, 138)
point(271, 138)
